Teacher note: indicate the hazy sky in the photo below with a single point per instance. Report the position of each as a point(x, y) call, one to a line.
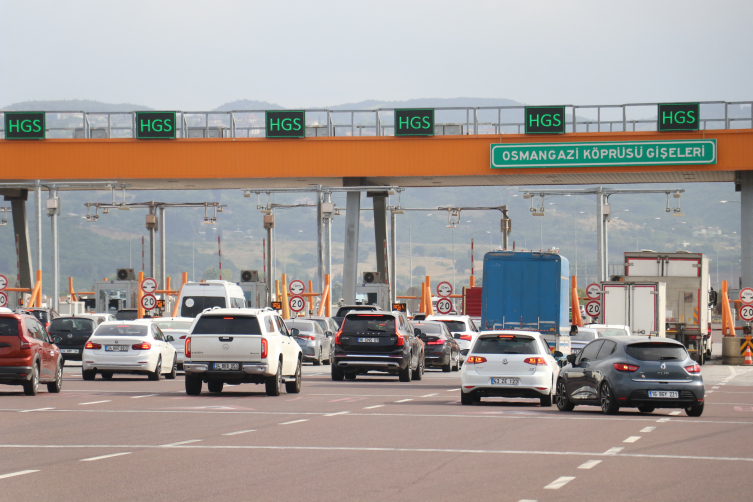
point(197, 55)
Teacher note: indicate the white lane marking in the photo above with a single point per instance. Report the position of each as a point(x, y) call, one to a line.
point(105, 456)
point(294, 422)
point(559, 483)
point(37, 409)
point(372, 407)
point(451, 390)
point(338, 413)
point(715, 387)
point(95, 402)
point(590, 464)
point(664, 420)
point(238, 432)
point(614, 451)
point(648, 429)
point(527, 500)
point(709, 391)
point(429, 395)
point(182, 442)
point(19, 473)
point(675, 413)
point(632, 439)
point(404, 400)
point(147, 395)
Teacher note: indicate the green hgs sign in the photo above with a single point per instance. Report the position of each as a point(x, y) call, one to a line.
point(24, 125)
point(603, 153)
point(678, 117)
point(545, 119)
point(285, 124)
point(155, 125)
point(414, 122)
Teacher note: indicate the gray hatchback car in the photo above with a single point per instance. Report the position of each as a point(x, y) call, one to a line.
point(631, 372)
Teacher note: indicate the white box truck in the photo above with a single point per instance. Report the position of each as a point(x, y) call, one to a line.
point(639, 305)
point(689, 297)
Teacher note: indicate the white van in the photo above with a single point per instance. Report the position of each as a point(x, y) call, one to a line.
point(197, 296)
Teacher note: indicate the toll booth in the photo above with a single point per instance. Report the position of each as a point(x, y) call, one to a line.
point(255, 293)
point(374, 294)
point(111, 296)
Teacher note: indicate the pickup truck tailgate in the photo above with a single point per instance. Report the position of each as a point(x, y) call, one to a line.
point(226, 338)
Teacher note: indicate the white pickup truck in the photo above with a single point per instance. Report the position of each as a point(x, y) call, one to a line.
point(241, 346)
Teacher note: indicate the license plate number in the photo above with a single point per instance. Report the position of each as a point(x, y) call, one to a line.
point(116, 348)
point(664, 394)
point(574, 351)
point(505, 381)
point(69, 351)
point(369, 340)
point(226, 366)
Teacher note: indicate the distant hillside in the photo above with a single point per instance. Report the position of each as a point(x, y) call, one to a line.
point(247, 104)
point(84, 105)
point(425, 103)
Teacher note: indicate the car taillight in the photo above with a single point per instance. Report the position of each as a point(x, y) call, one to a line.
point(92, 345)
point(693, 368)
point(187, 348)
point(693, 337)
point(141, 346)
point(263, 348)
point(400, 339)
point(475, 360)
point(436, 342)
point(183, 337)
point(628, 368)
point(25, 344)
point(534, 360)
point(337, 335)
point(307, 337)
point(466, 337)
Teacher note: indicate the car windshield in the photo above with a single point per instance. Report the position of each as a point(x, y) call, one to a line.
point(583, 336)
point(454, 326)
point(505, 344)
point(8, 326)
point(41, 315)
point(173, 324)
point(71, 324)
point(366, 324)
point(226, 325)
point(428, 327)
point(195, 305)
point(122, 330)
point(611, 332)
point(300, 325)
point(657, 351)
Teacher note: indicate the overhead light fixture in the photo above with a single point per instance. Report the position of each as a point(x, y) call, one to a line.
point(105, 210)
point(398, 211)
point(123, 207)
point(678, 214)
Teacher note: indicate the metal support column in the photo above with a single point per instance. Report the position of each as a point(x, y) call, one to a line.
point(163, 261)
point(746, 228)
point(599, 235)
point(350, 262)
point(38, 223)
point(380, 235)
point(151, 244)
point(327, 224)
point(54, 211)
point(269, 225)
point(319, 243)
point(393, 257)
point(17, 199)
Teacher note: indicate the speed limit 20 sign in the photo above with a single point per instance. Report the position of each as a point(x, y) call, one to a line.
point(746, 312)
point(444, 306)
point(593, 309)
point(148, 301)
point(3, 300)
point(296, 303)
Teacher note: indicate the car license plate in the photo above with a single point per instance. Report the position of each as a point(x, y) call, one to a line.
point(505, 381)
point(69, 351)
point(226, 366)
point(664, 394)
point(574, 351)
point(369, 340)
point(116, 348)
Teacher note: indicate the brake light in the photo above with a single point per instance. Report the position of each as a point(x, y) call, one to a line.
point(141, 346)
point(92, 345)
point(466, 337)
point(400, 339)
point(628, 368)
point(506, 336)
point(183, 337)
point(693, 337)
point(187, 348)
point(337, 335)
point(263, 348)
point(307, 337)
point(475, 360)
point(436, 342)
point(534, 360)
point(693, 368)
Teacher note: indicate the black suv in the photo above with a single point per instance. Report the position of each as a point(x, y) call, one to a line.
point(377, 341)
point(74, 332)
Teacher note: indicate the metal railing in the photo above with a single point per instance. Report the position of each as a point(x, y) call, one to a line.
point(449, 121)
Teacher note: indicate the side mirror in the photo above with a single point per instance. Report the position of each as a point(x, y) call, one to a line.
point(294, 331)
point(417, 332)
point(574, 330)
point(571, 358)
point(169, 338)
point(56, 339)
point(712, 298)
point(557, 354)
point(328, 333)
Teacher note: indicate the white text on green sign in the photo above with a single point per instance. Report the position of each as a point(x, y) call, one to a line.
point(604, 153)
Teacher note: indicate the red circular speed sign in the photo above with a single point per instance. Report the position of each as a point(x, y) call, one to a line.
point(148, 301)
point(444, 306)
point(296, 303)
point(593, 309)
point(444, 289)
point(296, 287)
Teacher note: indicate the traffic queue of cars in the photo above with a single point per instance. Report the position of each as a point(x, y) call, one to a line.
point(221, 346)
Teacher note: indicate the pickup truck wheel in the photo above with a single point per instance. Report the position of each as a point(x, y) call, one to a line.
point(155, 375)
point(88, 374)
point(274, 383)
point(419, 373)
point(174, 372)
point(294, 387)
point(318, 361)
point(338, 375)
point(466, 399)
point(215, 386)
point(32, 386)
point(57, 385)
point(193, 385)
point(406, 374)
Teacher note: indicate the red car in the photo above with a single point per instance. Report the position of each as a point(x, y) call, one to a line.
point(28, 355)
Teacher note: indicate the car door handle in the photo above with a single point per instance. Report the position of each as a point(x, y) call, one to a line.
point(226, 338)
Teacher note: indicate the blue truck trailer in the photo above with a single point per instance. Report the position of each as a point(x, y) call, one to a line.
point(527, 291)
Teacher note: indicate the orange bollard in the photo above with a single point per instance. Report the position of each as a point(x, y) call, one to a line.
point(748, 357)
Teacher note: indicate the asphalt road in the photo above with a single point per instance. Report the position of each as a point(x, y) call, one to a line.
point(373, 438)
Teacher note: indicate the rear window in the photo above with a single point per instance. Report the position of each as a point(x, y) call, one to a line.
point(428, 327)
point(8, 326)
point(369, 324)
point(612, 332)
point(72, 325)
point(122, 330)
point(41, 315)
point(344, 310)
point(506, 345)
point(194, 305)
point(584, 336)
point(454, 326)
point(173, 324)
point(656, 351)
point(301, 326)
point(226, 325)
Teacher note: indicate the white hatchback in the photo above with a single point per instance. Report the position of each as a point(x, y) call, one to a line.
point(136, 347)
point(463, 330)
point(509, 364)
point(178, 328)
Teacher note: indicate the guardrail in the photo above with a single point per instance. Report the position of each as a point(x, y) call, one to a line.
point(449, 121)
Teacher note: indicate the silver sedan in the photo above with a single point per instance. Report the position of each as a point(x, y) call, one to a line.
point(314, 343)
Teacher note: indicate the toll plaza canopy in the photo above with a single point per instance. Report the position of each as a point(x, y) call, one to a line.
point(514, 145)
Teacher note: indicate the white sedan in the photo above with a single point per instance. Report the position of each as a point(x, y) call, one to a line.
point(178, 328)
point(509, 364)
point(136, 347)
